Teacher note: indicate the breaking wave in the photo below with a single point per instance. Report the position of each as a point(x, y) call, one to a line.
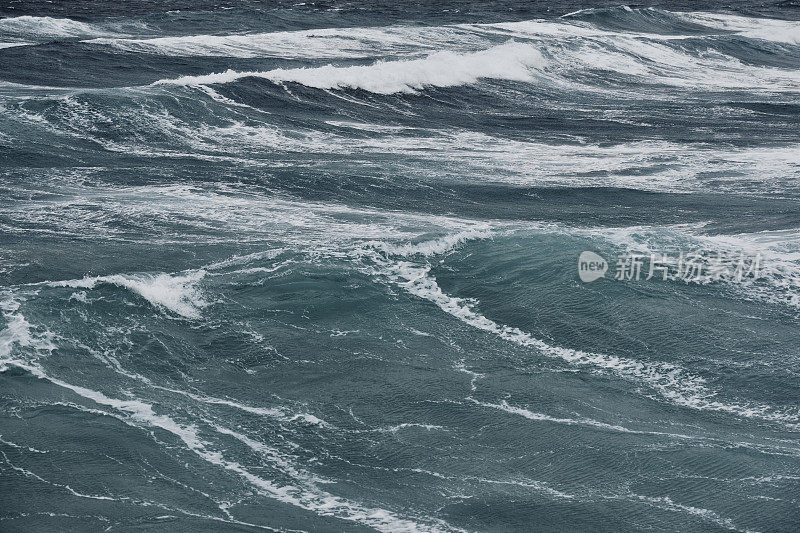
point(510, 61)
point(178, 294)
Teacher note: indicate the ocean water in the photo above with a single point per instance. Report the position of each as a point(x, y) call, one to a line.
point(313, 266)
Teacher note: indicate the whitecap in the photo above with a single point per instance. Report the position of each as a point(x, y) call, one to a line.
point(177, 293)
point(48, 27)
point(510, 61)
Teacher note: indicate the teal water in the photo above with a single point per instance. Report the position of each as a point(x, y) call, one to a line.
point(314, 267)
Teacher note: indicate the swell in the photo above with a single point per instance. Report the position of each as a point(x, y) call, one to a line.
point(200, 436)
point(673, 383)
point(404, 264)
point(142, 415)
point(398, 261)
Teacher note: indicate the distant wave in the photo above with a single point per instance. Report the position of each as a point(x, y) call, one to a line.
point(361, 42)
point(780, 31)
point(306, 44)
point(38, 28)
point(625, 18)
point(13, 44)
point(47, 26)
point(635, 46)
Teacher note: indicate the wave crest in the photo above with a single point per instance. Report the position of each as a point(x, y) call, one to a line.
point(509, 61)
point(48, 27)
point(178, 294)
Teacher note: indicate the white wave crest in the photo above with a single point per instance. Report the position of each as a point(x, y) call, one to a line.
point(434, 247)
point(19, 332)
point(13, 44)
point(509, 61)
point(49, 27)
point(178, 294)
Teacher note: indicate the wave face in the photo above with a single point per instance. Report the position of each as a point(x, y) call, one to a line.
point(312, 266)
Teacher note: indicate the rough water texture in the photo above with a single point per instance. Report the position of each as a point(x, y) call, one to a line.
point(312, 266)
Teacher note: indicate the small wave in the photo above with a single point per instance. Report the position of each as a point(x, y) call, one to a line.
point(588, 422)
point(530, 415)
point(432, 247)
point(19, 332)
point(775, 30)
point(595, 10)
point(178, 294)
point(13, 44)
point(509, 61)
point(666, 503)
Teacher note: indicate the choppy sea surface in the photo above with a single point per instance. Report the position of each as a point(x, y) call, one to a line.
point(313, 266)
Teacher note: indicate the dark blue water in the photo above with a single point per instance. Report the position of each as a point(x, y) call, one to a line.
point(313, 266)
